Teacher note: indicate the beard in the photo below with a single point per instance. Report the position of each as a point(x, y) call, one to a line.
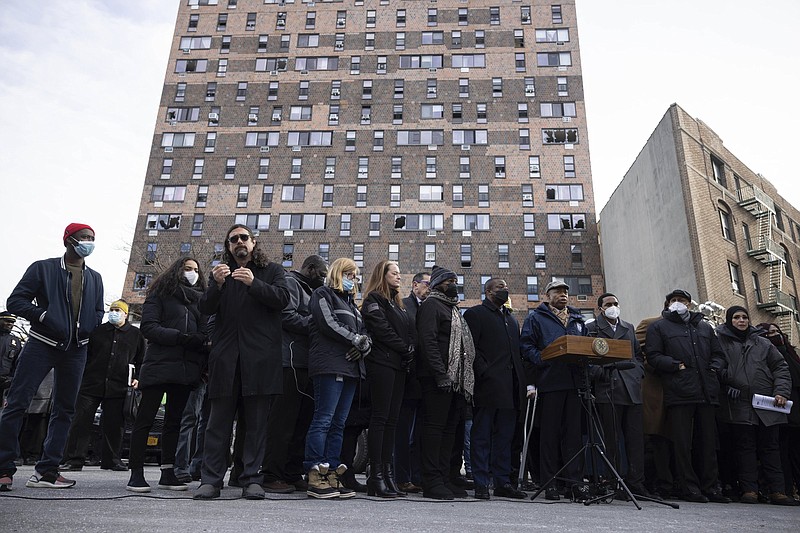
point(241, 252)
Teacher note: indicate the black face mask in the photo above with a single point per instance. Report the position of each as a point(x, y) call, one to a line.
point(452, 291)
point(316, 282)
point(501, 296)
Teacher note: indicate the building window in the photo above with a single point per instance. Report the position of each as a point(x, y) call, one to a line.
point(787, 266)
point(399, 88)
point(288, 255)
point(463, 87)
point(733, 270)
point(193, 20)
point(262, 43)
point(309, 138)
point(480, 113)
point(430, 255)
point(397, 166)
point(366, 114)
point(363, 167)
point(430, 166)
point(355, 65)
point(725, 223)
point(416, 222)
point(296, 168)
point(222, 22)
point(197, 225)
point(251, 22)
point(336, 89)
point(393, 252)
point(327, 196)
point(779, 219)
point(171, 222)
point(400, 18)
point(397, 114)
point(374, 224)
point(394, 196)
point(503, 256)
point(519, 39)
point(166, 169)
point(554, 59)
point(483, 196)
point(559, 136)
point(757, 288)
point(420, 137)
point(301, 221)
point(293, 193)
point(564, 193)
point(272, 90)
point(183, 66)
point(566, 221)
point(431, 193)
point(177, 140)
point(369, 41)
point(333, 115)
point(458, 196)
point(202, 196)
point(311, 20)
point(266, 196)
point(576, 253)
point(746, 235)
point(457, 113)
point(285, 42)
point(577, 285)
point(532, 288)
point(431, 111)
point(432, 88)
point(528, 225)
point(350, 141)
point(555, 14)
point(211, 91)
point(400, 40)
point(524, 139)
point(211, 141)
point(562, 87)
point(552, 35)
point(718, 170)
point(230, 168)
point(464, 168)
point(539, 256)
point(497, 87)
point(433, 16)
point(466, 256)
point(480, 39)
point(474, 222)
point(253, 220)
point(299, 112)
point(522, 112)
point(180, 92)
point(557, 109)
point(569, 166)
point(519, 62)
point(142, 281)
point(463, 137)
point(381, 66)
point(324, 251)
point(527, 195)
point(241, 198)
point(377, 140)
point(361, 196)
point(344, 225)
point(197, 170)
point(533, 167)
point(330, 167)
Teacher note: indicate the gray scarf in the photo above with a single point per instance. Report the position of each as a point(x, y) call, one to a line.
point(461, 353)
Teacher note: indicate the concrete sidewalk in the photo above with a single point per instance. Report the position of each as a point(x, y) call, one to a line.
point(99, 502)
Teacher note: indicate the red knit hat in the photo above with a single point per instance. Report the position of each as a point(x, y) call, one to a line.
point(74, 228)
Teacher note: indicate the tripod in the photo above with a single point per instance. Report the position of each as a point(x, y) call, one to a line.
point(597, 449)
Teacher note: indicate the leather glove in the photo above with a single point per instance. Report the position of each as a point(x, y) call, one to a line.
point(353, 355)
point(195, 341)
point(444, 384)
point(734, 393)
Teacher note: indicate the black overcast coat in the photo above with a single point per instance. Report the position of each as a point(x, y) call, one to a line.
point(623, 386)
point(671, 341)
point(434, 319)
point(164, 320)
point(390, 328)
point(247, 332)
point(499, 375)
point(111, 350)
point(296, 320)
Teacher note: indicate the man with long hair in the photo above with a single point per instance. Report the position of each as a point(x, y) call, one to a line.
point(247, 293)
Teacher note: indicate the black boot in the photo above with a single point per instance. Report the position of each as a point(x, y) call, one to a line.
point(376, 484)
point(349, 480)
point(388, 476)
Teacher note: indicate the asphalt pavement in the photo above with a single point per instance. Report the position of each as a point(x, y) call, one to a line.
point(99, 502)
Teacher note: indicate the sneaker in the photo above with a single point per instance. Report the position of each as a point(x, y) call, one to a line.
point(137, 483)
point(168, 480)
point(71, 467)
point(318, 486)
point(50, 480)
point(335, 481)
point(5, 482)
point(184, 477)
point(552, 494)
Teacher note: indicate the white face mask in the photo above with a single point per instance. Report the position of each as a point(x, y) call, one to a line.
point(191, 276)
point(678, 307)
point(612, 312)
point(116, 317)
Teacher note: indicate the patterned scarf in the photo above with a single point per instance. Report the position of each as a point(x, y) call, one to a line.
point(461, 353)
point(562, 314)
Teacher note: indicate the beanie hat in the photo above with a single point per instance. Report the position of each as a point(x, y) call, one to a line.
point(121, 304)
point(439, 275)
point(74, 228)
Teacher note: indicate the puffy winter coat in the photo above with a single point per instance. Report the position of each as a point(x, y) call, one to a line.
point(755, 366)
point(541, 328)
point(165, 319)
point(336, 323)
point(670, 342)
point(433, 332)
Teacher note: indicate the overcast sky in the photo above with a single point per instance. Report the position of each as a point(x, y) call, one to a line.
point(81, 83)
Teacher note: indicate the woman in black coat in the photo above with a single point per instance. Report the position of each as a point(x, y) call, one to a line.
point(175, 357)
point(392, 352)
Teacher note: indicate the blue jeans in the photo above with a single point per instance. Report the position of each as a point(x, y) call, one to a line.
point(332, 400)
point(35, 361)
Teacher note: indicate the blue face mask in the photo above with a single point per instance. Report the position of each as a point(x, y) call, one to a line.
point(83, 248)
point(115, 317)
point(348, 284)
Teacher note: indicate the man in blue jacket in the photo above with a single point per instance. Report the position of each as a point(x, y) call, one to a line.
point(62, 298)
point(557, 383)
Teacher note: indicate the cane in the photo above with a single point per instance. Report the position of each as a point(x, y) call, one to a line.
point(527, 437)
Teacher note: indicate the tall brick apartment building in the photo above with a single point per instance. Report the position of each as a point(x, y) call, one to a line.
point(439, 131)
point(690, 214)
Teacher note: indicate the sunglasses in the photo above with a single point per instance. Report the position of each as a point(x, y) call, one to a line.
point(244, 237)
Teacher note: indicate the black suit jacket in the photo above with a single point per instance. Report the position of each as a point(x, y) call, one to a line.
point(623, 386)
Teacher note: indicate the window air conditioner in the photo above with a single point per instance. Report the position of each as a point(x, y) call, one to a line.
point(335, 92)
point(333, 117)
point(465, 147)
point(582, 298)
point(431, 91)
point(252, 117)
point(264, 149)
point(185, 50)
point(340, 23)
point(527, 197)
point(168, 149)
point(381, 66)
point(273, 72)
point(339, 46)
point(213, 116)
point(431, 233)
point(365, 118)
point(276, 118)
point(281, 23)
point(530, 91)
point(432, 69)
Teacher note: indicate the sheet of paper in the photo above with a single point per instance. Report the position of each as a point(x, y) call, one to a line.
point(768, 403)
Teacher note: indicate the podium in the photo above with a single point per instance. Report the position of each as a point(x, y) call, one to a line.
point(587, 350)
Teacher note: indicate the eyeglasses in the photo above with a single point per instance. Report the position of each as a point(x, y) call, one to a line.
point(426, 283)
point(244, 237)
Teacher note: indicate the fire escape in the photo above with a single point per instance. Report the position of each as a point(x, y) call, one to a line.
point(770, 253)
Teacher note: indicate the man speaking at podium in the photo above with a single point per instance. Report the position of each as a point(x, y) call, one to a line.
point(557, 384)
